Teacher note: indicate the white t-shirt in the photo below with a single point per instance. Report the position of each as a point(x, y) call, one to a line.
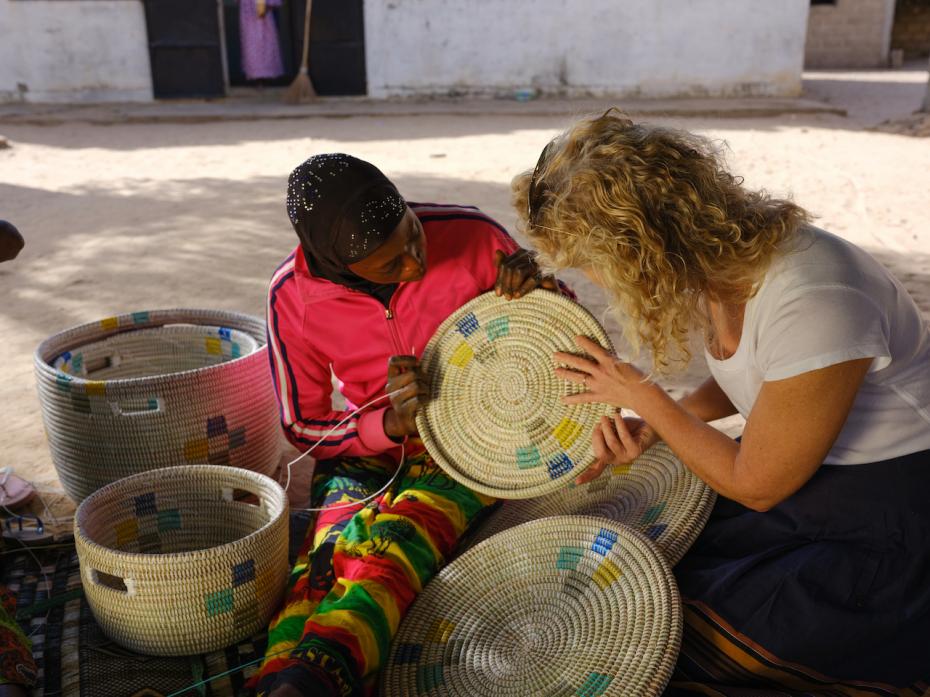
point(825, 302)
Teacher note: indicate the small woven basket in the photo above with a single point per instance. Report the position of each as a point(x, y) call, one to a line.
point(494, 420)
point(183, 560)
point(156, 389)
point(572, 605)
point(655, 494)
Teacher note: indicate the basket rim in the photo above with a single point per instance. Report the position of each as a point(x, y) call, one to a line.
point(82, 538)
point(441, 457)
point(49, 371)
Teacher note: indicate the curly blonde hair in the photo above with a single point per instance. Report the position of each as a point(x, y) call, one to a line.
point(653, 215)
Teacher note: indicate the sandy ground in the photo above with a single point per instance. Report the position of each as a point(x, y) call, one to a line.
point(130, 217)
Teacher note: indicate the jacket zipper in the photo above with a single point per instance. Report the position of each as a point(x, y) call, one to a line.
point(389, 317)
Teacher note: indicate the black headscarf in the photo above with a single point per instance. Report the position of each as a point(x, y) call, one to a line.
point(343, 209)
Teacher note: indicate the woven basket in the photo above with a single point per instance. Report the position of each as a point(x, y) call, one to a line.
point(494, 420)
point(156, 389)
point(572, 605)
point(183, 560)
point(656, 494)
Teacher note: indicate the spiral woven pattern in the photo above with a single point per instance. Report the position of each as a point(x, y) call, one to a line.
point(655, 494)
point(571, 605)
point(183, 560)
point(494, 420)
point(156, 389)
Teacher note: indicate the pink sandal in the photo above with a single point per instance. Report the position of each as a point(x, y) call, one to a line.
point(14, 491)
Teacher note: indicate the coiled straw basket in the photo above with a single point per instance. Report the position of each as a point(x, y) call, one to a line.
point(183, 560)
point(568, 605)
point(157, 389)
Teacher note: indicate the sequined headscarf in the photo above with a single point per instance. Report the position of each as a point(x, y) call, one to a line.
point(343, 209)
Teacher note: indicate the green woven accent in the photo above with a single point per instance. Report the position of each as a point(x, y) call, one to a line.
point(569, 558)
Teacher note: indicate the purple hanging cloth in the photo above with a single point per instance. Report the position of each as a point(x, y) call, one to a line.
point(258, 35)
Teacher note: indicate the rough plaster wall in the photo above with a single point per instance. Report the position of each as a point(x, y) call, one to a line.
point(74, 50)
point(850, 34)
point(620, 47)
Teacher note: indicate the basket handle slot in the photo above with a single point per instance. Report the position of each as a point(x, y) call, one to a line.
point(139, 407)
point(241, 496)
point(115, 583)
point(101, 363)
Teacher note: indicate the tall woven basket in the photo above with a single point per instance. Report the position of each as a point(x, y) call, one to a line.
point(157, 389)
point(183, 560)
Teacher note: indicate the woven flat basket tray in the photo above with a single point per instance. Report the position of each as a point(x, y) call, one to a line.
point(155, 389)
point(494, 420)
point(183, 560)
point(571, 605)
point(655, 494)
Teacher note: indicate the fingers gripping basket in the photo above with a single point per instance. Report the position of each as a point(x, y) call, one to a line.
point(183, 560)
point(156, 389)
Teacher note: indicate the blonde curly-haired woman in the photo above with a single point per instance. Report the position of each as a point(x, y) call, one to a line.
point(813, 573)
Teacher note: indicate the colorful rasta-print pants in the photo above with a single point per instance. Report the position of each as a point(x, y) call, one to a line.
point(360, 568)
point(16, 664)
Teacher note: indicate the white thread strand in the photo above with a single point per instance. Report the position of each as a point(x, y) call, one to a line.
point(325, 436)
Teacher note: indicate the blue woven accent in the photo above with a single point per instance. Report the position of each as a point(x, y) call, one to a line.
point(604, 541)
point(145, 504)
point(559, 465)
point(468, 325)
point(243, 573)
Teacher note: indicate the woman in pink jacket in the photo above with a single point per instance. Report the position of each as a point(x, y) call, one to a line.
point(372, 279)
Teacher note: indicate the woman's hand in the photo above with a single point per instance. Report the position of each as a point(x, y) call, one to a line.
point(518, 274)
point(404, 378)
point(618, 441)
point(260, 8)
point(607, 380)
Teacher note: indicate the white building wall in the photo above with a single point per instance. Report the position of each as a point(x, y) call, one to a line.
point(647, 48)
point(73, 51)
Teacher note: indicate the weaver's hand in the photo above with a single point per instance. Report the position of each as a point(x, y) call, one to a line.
point(404, 378)
point(618, 441)
point(518, 274)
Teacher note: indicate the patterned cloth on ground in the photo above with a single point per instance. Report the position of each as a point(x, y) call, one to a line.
point(75, 659)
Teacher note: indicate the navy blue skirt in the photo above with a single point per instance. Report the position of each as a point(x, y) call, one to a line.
point(829, 588)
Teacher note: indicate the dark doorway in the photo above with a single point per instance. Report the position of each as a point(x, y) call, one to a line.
point(184, 48)
point(337, 45)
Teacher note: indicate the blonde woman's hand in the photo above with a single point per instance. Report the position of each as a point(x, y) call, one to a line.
point(606, 379)
point(618, 441)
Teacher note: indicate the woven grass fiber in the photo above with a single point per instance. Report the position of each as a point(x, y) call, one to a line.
point(570, 605)
point(494, 420)
point(156, 389)
point(184, 560)
point(655, 494)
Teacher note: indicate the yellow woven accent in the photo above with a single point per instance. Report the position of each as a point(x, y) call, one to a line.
point(127, 531)
point(567, 432)
point(213, 345)
point(109, 324)
point(607, 574)
point(621, 469)
point(95, 388)
point(462, 355)
point(440, 632)
point(196, 450)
